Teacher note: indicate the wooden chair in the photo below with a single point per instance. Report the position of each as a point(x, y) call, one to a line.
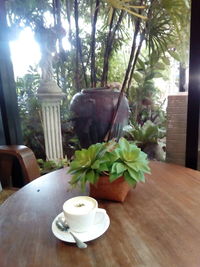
point(25, 159)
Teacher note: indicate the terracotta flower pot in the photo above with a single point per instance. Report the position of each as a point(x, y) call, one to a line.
point(104, 189)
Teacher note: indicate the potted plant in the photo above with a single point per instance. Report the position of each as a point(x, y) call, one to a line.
point(111, 168)
point(149, 138)
point(99, 113)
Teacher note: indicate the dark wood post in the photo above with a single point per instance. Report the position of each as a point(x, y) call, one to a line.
point(194, 89)
point(10, 129)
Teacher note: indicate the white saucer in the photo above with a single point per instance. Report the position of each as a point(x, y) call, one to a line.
point(95, 231)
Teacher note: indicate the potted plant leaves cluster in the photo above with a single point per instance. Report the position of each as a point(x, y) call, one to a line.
point(47, 166)
point(111, 168)
point(149, 138)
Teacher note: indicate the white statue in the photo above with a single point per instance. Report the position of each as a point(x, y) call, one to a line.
point(46, 38)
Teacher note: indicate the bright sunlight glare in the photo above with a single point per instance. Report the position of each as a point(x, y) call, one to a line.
point(25, 51)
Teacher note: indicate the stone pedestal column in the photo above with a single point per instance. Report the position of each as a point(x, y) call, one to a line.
point(51, 96)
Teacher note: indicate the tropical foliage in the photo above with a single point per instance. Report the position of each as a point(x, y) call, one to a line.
point(148, 133)
point(49, 166)
point(98, 30)
point(149, 137)
point(30, 112)
point(131, 42)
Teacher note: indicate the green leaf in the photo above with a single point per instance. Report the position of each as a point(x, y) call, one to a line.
point(142, 179)
point(140, 64)
point(96, 177)
point(120, 167)
point(149, 76)
point(114, 168)
point(166, 60)
point(79, 154)
point(158, 75)
point(83, 182)
point(174, 54)
point(160, 66)
point(114, 176)
point(111, 156)
point(132, 155)
point(134, 174)
point(138, 77)
point(95, 165)
point(90, 175)
point(132, 165)
point(139, 166)
point(129, 179)
point(74, 166)
point(74, 179)
point(124, 144)
point(103, 167)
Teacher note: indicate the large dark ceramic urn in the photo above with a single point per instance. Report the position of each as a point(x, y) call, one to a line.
point(92, 112)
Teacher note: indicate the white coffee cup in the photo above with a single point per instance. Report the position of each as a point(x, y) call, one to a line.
point(82, 212)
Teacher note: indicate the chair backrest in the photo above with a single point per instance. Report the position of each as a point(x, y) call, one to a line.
point(26, 160)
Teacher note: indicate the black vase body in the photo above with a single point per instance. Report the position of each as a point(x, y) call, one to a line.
point(92, 112)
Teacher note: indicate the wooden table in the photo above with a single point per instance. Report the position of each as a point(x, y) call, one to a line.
point(157, 225)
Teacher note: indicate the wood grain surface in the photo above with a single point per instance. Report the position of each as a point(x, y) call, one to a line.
point(157, 225)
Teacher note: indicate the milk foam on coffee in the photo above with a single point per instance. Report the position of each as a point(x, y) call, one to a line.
point(79, 205)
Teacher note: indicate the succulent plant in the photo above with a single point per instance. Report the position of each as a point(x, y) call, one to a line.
point(113, 158)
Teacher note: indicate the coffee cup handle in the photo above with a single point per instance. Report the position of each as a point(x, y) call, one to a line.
point(63, 219)
point(99, 216)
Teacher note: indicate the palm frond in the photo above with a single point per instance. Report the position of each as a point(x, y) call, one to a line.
point(122, 5)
